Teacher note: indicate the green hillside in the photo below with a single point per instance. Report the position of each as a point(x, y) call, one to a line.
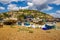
point(22, 13)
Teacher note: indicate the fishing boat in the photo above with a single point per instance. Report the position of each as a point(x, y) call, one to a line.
point(19, 23)
point(48, 26)
point(27, 24)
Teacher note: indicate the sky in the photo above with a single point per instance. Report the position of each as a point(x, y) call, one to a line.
point(51, 7)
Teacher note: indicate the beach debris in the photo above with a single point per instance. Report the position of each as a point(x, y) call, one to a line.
point(1, 26)
point(12, 26)
point(48, 31)
point(30, 31)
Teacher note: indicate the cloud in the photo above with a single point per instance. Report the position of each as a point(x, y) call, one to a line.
point(57, 2)
point(41, 4)
point(56, 15)
point(24, 7)
point(13, 7)
point(47, 9)
point(35, 4)
point(2, 8)
point(32, 4)
point(58, 11)
point(9, 1)
point(38, 2)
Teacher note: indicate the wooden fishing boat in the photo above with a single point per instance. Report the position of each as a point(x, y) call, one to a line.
point(48, 26)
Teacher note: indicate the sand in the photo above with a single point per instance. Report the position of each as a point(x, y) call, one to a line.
point(13, 33)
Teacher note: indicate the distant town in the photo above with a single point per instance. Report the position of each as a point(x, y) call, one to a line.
point(28, 18)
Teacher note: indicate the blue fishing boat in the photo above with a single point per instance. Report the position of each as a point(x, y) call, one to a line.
point(26, 23)
point(19, 23)
point(48, 26)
